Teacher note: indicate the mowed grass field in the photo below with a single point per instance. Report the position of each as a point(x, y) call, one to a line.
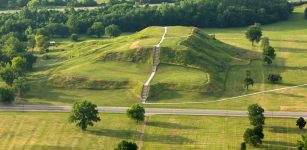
point(34, 130)
point(290, 41)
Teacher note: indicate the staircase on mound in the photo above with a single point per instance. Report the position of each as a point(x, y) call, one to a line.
point(155, 64)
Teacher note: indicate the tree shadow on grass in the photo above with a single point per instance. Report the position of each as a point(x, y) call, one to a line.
point(277, 145)
point(130, 134)
point(167, 139)
point(169, 125)
point(121, 134)
point(285, 130)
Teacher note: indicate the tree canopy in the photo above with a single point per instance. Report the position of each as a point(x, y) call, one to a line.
point(254, 33)
point(136, 112)
point(125, 145)
point(301, 122)
point(255, 114)
point(84, 114)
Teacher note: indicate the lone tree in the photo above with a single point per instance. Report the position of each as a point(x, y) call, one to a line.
point(136, 112)
point(248, 80)
point(254, 33)
point(255, 114)
point(112, 30)
point(274, 77)
point(268, 54)
point(84, 113)
point(301, 122)
point(125, 145)
point(302, 145)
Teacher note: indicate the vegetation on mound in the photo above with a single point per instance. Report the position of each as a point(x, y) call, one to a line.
point(203, 52)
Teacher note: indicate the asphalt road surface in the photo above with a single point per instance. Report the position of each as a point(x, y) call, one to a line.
point(153, 111)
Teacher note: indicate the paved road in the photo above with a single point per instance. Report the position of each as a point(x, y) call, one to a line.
point(153, 111)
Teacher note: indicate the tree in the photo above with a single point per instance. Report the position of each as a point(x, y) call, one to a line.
point(301, 122)
point(251, 138)
point(125, 145)
point(20, 86)
point(84, 113)
point(42, 43)
point(136, 112)
point(255, 114)
point(305, 12)
point(112, 30)
point(96, 29)
point(73, 23)
point(248, 80)
point(243, 146)
point(7, 95)
point(8, 74)
point(268, 54)
point(31, 43)
point(254, 33)
point(12, 47)
point(302, 145)
point(258, 130)
point(19, 64)
point(58, 29)
point(30, 59)
point(74, 37)
point(274, 77)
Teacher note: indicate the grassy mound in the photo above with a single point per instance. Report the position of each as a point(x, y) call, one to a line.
point(195, 62)
point(191, 61)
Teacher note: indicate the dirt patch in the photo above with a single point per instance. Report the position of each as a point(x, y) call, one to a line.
point(135, 44)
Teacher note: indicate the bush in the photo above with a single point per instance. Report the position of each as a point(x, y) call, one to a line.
point(74, 37)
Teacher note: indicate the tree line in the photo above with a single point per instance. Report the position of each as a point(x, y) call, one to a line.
point(130, 18)
point(13, 4)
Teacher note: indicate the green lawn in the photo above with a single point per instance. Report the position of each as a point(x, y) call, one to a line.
point(33, 130)
point(180, 75)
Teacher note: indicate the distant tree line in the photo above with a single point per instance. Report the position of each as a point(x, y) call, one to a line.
point(9, 4)
point(128, 17)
